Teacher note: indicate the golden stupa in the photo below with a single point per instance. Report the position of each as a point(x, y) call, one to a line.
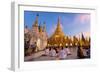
point(58, 38)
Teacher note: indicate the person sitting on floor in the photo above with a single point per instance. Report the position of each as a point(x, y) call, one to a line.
point(47, 51)
point(52, 52)
point(62, 54)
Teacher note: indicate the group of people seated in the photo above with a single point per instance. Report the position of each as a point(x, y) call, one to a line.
point(63, 52)
point(58, 52)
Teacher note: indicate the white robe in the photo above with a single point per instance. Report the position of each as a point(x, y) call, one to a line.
point(52, 53)
point(68, 51)
point(62, 54)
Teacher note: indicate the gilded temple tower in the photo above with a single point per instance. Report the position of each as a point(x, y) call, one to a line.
point(58, 38)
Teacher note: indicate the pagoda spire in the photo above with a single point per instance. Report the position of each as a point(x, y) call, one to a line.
point(58, 32)
point(44, 26)
point(26, 26)
point(59, 20)
point(58, 25)
point(59, 29)
point(58, 37)
point(83, 38)
point(36, 21)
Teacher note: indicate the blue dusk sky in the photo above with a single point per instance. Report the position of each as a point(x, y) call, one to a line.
point(71, 23)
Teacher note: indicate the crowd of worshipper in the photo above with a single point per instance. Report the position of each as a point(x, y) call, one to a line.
point(63, 52)
point(58, 52)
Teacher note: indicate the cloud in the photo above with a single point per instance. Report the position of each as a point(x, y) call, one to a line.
point(81, 24)
point(82, 19)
